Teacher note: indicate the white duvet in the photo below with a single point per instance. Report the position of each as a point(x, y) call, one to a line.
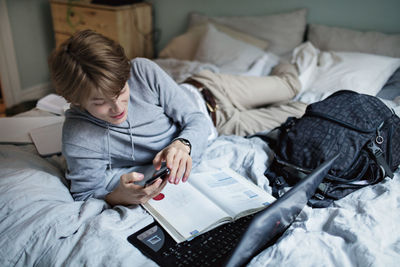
point(41, 225)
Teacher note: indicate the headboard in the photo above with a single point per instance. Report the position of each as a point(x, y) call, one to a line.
point(171, 16)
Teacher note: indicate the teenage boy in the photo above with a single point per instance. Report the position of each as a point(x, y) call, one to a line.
point(124, 114)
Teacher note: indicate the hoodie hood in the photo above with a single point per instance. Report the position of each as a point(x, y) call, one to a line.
point(77, 113)
point(124, 128)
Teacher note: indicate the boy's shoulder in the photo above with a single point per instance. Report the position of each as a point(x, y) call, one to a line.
point(142, 62)
point(81, 135)
point(145, 69)
point(77, 123)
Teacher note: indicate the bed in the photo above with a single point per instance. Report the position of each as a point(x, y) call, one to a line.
point(41, 225)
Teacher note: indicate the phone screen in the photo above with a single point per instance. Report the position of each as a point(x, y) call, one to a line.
point(161, 173)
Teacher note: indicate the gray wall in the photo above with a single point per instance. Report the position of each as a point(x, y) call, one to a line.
point(31, 23)
point(32, 33)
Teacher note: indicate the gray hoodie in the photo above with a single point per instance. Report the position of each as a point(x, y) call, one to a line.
point(98, 153)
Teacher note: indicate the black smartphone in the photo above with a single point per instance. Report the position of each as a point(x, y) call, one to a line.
point(161, 173)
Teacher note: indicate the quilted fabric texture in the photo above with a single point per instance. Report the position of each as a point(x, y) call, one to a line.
point(345, 123)
point(316, 138)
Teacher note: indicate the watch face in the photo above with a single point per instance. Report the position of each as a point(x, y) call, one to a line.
point(185, 142)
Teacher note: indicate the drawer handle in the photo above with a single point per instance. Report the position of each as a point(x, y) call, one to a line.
point(70, 14)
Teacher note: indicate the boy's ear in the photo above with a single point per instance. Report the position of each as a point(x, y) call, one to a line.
point(78, 105)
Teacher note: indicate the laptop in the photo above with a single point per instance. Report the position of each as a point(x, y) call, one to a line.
point(236, 243)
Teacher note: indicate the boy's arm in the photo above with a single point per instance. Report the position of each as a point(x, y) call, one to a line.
point(179, 107)
point(87, 176)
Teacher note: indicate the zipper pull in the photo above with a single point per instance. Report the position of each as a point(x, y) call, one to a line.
point(379, 138)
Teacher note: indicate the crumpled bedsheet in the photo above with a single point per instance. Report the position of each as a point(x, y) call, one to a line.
point(361, 229)
point(41, 225)
point(180, 70)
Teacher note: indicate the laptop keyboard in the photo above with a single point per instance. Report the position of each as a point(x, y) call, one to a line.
point(208, 249)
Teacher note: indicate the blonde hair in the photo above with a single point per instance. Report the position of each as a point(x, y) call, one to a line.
point(88, 62)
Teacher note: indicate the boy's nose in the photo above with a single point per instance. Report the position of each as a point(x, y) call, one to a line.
point(116, 106)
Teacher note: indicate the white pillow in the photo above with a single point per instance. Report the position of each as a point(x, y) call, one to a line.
point(283, 31)
point(342, 39)
point(229, 54)
point(184, 46)
point(328, 72)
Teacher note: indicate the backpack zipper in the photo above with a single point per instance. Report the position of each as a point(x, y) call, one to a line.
point(389, 146)
point(343, 123)
point(308, 171)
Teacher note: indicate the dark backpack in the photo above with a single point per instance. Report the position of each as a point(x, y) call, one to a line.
point(360, 128)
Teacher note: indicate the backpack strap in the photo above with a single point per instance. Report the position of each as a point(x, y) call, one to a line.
point(377, 153)
point(273, 137)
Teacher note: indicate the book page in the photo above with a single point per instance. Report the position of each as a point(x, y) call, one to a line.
point(185, 209)
point(232, 192)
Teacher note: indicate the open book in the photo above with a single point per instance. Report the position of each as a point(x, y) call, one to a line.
point(206, 201)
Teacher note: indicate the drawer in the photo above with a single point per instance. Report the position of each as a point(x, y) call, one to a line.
point(102, 21)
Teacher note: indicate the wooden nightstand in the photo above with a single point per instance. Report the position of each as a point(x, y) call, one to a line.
point(130, 25)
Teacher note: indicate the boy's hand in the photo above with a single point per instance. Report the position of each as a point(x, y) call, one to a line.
point(178, 160)
point(128, 193)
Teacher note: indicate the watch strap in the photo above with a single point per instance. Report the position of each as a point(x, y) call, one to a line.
point(186, 143)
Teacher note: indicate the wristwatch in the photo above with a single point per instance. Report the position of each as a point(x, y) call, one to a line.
point(186, 143)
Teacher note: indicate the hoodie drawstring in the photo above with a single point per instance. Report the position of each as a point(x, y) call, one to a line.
point(108, 143)
point(131, 135)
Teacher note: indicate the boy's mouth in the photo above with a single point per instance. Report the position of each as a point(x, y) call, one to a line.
point(119, 116)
